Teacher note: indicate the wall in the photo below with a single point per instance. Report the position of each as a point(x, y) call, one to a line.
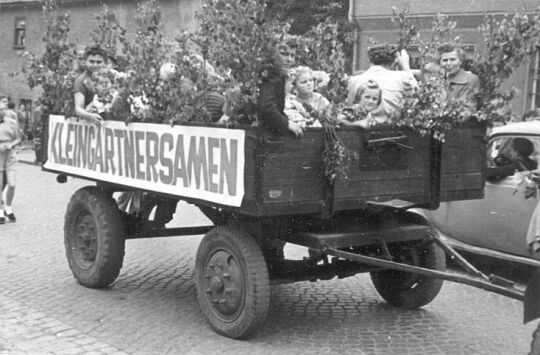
point(177, 14)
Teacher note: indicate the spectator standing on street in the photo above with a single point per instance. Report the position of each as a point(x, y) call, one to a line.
point(83, 89)
point(462, 85)
point(9, 138)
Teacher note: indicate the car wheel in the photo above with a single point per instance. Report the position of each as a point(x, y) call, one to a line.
point(410, 290)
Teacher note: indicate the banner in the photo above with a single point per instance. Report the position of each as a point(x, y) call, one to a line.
point(199, 162)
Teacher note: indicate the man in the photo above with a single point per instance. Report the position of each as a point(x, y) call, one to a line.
point(95, 59)
point(463, 85)
point(394, 84)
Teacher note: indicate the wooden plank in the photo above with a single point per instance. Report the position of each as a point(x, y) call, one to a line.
point(387, 187)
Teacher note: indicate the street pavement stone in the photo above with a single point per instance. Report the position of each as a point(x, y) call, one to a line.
point(152, 308)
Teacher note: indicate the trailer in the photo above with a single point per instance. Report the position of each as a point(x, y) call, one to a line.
point(261, 191)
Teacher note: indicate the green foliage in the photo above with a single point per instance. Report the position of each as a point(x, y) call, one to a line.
point(110, 34)
point(408, 32)
point(144, 57)
point(508, 43)
point(321, 49)
point(53, 71)
point(234, 37)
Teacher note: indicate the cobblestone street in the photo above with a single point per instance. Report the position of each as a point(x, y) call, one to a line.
point(152, 307)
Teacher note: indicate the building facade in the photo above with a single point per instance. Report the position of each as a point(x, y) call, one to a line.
point(372, 20)
point(22, 26)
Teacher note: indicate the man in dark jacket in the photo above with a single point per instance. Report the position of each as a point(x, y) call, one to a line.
point(272, 93)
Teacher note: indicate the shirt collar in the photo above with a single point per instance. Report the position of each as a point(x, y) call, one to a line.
point(461, 77)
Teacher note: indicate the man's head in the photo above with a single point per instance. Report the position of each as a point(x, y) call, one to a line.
point(382, 54)
point(522, 147)
point(286, 55)
point(11, 105)
point(95, 58)
point(450, 58)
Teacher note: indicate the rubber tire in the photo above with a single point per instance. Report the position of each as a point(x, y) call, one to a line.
point(110, 237)
point(423, 291)
point(247, 253)
point(535, 343)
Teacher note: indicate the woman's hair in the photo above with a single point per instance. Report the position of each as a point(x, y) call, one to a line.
point(450, 47)
point(381, 54)
point(370, 84)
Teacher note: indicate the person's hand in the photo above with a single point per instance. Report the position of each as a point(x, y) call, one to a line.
point(296, 129)
point(403, 60)
point(95, 118)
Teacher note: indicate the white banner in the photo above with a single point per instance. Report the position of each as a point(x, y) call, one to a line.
point(200, 162)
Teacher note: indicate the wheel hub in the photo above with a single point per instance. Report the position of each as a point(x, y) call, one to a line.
point(85, 241)
point(224, 284)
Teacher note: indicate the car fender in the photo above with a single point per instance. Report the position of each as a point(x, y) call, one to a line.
point(531, 302)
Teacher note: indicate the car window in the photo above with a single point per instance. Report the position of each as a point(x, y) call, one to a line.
point(508, 154)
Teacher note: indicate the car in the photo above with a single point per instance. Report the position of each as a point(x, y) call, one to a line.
point(497, 225)
point(492, 232)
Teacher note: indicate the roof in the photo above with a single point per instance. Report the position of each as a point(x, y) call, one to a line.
point(529, 127)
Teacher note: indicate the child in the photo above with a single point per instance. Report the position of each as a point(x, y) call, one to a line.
point(106, 95)
point(313, 103)
point(271, 102)
point(368, 97)
point(294, 109)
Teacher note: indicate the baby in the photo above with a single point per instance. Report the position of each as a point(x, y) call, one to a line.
point(106, 95)
point(368, 98)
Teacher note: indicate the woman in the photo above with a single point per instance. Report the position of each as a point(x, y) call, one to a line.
point(9, 138)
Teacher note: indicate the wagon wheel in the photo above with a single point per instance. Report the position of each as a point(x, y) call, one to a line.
point(535, 343)
point(232, 282)
point(410, 290)
point(94, 237)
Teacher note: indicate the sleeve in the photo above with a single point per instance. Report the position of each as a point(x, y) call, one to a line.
point(78, 85)
point(409, 83)
point(472, 91)
point(269, 112)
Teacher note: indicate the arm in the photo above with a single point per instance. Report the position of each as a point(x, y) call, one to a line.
point(271, 115)
point(81, 112)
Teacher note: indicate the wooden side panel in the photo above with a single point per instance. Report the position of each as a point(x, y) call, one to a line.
point(393, 164)
point(291, 169)
point(463, 162)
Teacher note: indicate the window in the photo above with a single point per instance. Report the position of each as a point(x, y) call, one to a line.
point(534, 92)
point(20, 32)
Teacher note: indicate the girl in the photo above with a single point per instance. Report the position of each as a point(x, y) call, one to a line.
point(368, 98)
point(9, 138)
point(304, 86)
point(106, 95)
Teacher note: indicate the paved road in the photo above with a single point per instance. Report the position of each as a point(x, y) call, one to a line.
point(152, 308)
